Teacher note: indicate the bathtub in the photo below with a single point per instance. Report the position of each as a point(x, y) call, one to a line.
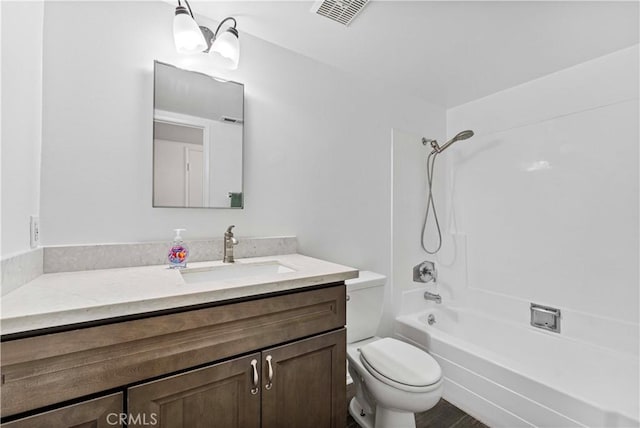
point(507, 375)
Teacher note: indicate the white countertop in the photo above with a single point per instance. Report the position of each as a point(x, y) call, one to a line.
point(65, 298)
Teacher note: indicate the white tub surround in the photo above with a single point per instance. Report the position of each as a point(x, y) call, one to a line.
point(58, 299)
point(526, 207)
point(509, 375)
point(71, 258)
point(539, 201)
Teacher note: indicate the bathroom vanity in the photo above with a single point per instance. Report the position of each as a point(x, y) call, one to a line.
point(260, 351)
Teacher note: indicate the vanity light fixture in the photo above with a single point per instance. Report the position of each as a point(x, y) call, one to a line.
point(191, 38)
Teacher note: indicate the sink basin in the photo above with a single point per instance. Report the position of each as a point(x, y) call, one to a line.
point(232, 271)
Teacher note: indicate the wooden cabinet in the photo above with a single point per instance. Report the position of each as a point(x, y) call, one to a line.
point(304, 383)
point(103, 412)
point(222, 395)
point(301, 384)
point(302, 334)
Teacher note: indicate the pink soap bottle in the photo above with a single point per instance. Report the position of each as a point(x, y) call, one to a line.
point(178, 253)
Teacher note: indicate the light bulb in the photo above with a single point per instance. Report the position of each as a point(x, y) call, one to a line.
point(227, 46)
point(186, 33)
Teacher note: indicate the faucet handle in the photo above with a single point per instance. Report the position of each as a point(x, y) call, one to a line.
point(425, 272)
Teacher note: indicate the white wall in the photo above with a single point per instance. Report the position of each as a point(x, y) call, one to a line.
point(21, 121)
point(317, 141)
point(546, 197)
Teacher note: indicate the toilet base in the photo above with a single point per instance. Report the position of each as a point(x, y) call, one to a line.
point(383, 418)
point(364, 420)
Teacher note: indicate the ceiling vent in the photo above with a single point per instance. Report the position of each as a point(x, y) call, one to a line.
point(342, 11)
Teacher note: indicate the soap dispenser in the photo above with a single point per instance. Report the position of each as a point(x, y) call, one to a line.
point(179, 252)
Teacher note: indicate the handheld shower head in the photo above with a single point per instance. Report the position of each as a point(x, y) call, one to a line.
point(463, 135)
point(431, 161)
point(459, 136)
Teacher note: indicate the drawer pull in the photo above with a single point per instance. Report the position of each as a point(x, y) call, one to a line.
point(270, 383)
point(256, 380)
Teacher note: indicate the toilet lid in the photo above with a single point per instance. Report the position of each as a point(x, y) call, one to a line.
point(400, 363)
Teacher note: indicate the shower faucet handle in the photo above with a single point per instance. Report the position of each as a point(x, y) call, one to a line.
point(425, 272)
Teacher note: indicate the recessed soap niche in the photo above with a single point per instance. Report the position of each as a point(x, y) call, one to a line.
point(545, 317)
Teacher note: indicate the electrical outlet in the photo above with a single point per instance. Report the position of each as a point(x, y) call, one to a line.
point(35, 231)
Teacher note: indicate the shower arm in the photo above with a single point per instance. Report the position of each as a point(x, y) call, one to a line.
point(434, 144)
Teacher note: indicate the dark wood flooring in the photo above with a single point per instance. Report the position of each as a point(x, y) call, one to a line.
point(443, 415)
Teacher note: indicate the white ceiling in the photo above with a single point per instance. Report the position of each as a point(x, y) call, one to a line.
point(446, 52)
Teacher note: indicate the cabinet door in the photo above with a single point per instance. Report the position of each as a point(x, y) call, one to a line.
point(103, 412)
point(308, 383)
point(222, 396)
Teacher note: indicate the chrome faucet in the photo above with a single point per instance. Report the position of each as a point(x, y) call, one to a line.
point(229, 242)
point(432, 296)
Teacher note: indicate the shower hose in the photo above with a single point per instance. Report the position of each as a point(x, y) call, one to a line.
point(431, 161)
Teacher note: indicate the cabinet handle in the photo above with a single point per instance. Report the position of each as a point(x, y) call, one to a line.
point(270, 383)
point(256, 380)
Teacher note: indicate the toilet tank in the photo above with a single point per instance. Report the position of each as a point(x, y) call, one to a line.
point(365, 296)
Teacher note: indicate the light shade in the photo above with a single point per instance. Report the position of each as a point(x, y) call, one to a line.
point(186, 33)
point(227, 46)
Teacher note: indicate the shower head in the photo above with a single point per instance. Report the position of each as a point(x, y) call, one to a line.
point(463, 135)
point(459, 136)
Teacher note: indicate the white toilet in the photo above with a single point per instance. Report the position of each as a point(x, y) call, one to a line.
point(393, 379)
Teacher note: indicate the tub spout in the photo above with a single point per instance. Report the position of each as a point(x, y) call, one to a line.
point(432, 296)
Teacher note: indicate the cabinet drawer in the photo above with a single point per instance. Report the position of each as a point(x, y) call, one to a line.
point(48, 369)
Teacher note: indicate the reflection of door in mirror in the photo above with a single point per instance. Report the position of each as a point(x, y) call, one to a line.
point(178, 176)
point(195, 176)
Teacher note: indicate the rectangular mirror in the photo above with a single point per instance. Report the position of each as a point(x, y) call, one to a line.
point(197, 139)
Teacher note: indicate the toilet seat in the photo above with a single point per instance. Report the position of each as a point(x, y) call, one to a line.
point(400, 365)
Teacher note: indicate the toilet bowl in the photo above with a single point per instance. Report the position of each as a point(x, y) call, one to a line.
point(393, 379)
